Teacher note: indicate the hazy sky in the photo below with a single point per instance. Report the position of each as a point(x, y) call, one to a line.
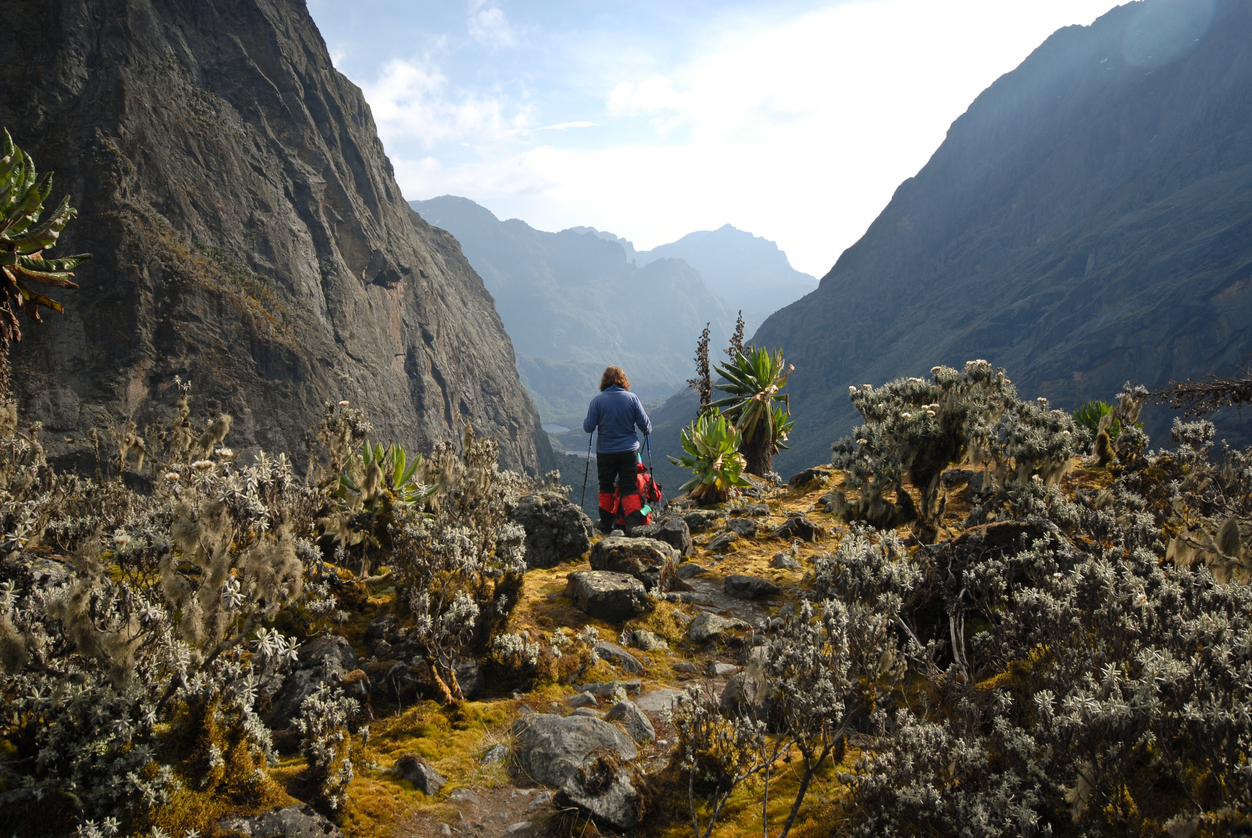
point(792, 119)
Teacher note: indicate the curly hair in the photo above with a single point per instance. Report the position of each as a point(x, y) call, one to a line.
point(614, 376)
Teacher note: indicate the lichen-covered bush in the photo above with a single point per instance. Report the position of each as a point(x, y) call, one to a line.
point(563, 656)
point(915, 428)
point(458, 560)
point(1076, 678)
point(326, 744)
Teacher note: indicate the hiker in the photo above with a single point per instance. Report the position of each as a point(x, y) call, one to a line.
point(616, 412)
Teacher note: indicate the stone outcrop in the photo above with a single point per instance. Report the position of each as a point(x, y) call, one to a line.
point(585, 758)
point(556, 529)
point(249, 237)
point(672, 530)
point(648, 560)
point(288, 822)
point(605, 595)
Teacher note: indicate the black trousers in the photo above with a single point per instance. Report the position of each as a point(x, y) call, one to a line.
point(618, 468)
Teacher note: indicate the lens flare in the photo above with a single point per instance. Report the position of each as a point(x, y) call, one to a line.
point(1164, 31)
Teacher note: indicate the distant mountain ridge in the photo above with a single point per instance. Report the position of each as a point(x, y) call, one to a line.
point(1087, 221)
point(749, 272)
point(572, 304)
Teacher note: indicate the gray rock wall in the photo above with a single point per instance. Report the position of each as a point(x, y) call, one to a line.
point(248, 235)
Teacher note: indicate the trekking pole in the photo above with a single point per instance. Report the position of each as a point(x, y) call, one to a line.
point(647, 440)
point(586, 471)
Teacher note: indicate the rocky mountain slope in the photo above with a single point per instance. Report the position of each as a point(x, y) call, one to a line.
point(748, 271)
point(249, 235)
point(1086, 221)
point(573, 303)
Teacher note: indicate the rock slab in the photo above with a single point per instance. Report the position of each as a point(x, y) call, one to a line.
point(605, 595)
point(288, 822)
point(648, 560)
point(672, 530)
point(742, 586)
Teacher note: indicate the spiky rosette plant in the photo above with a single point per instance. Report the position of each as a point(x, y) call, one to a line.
point(24, 239)
point(711, 450)
point(754, 382)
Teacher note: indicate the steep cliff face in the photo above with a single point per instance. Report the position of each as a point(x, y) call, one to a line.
point(573, 304)
point(1087, 221)
point(248, 235)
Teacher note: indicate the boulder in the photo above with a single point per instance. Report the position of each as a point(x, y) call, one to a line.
point(496, 753)
point(703, 520)
point(690, 569)
point(647, 641)
point(809, 475)
point(556, 529)
point(638, 726)
point(324, 660)
point(582, 699)
point(417, 771)
point(603, 790)
point(618, 656)
point(299, 821)
point(722, 543)
point(658, 701)
point(615, 597)
point(672, 530)
point(785, 561)
point(752, 510)
point(648, 560)
point(632, 687)
point(380, 628)
point(744, 527)
point(746, 690)
point(550, 748)
point(742, 586)
point(706, 628)
point(585, 758)
point(798, 526)
point(470, 677)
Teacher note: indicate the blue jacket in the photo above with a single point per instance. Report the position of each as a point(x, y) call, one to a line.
point(616, 412)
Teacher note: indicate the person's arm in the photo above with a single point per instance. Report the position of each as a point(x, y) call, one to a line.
point(593, 417)
point(641, 417)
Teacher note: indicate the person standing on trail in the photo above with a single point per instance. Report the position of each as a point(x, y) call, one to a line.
point(616, 412)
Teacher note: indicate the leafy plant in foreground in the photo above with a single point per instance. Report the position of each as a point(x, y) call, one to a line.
point(23, 241)
point(711, 450)
point(754, 382)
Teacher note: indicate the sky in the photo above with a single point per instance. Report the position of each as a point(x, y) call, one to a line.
point(793, 119)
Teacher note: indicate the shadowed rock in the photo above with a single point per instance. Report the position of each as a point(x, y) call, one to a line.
point(417, 771)
point(648, 560)
point(637, 725)
point(556, 529)
point(742, 586)
point(606, 595)
point(672, 530)
point(706, 628)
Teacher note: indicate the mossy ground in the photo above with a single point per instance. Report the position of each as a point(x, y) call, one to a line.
point(454, 740)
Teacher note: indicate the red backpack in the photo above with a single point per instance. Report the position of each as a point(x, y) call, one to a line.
point(649, 492)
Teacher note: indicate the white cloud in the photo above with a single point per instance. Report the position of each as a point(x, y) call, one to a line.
point(491, 26)
point(798, 131)
point(565, 126)
point(412, 101)
point(645, 97)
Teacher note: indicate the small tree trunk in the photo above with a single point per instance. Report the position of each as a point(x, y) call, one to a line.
point(759, 454)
